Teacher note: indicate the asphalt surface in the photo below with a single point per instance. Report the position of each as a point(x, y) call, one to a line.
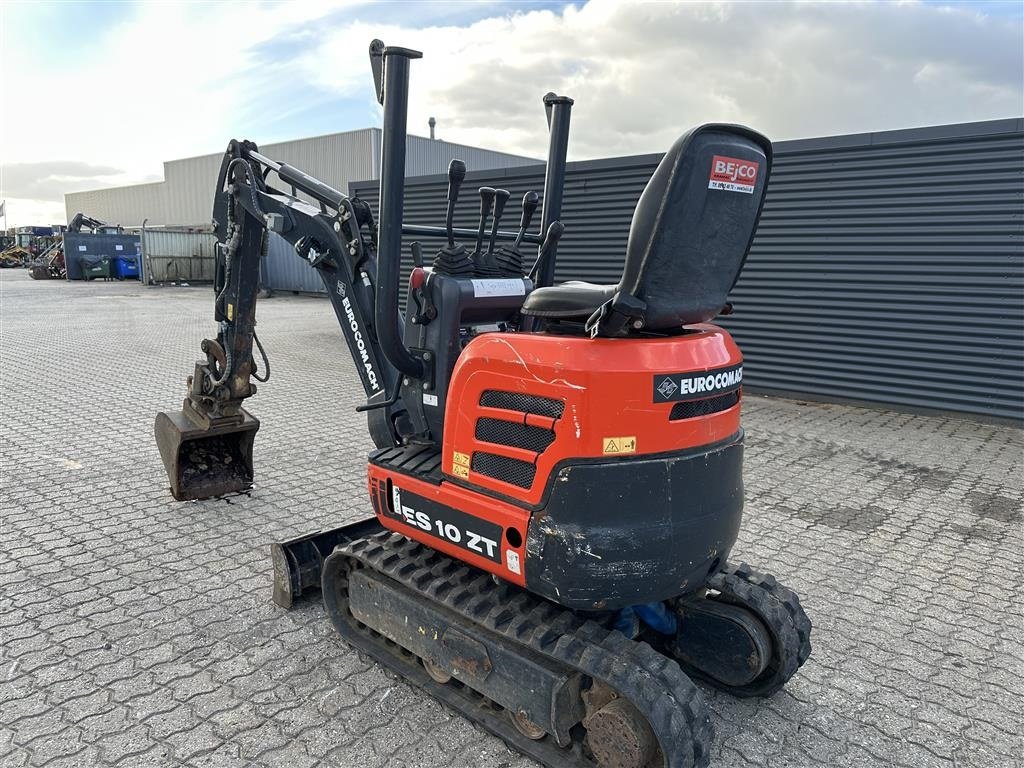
point(139, 631)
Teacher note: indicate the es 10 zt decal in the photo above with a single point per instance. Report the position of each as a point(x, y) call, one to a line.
point(732, 174)
point(696, 385)
point(481, 537)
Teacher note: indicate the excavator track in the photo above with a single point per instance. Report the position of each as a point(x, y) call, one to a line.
point(780, 617)
point(641, 708)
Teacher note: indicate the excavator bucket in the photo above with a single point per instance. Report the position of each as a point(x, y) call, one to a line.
point(204, 461)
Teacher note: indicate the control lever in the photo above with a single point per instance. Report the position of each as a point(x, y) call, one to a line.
point(555, 232)
point(530, 202)
point(456, 174)
point(500, 198)
point(486, 201)
point(453, 260)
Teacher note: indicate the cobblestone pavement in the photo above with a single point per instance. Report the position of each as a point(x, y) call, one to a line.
point(138, 631)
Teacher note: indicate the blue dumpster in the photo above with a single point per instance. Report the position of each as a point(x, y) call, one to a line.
point(126, 267)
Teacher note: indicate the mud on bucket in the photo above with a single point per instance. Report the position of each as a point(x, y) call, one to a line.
point(205, 461)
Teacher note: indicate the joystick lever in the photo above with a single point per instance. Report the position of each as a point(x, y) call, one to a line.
point(456, 174)
point(530, 202)
point(486, 201)
point(500, 198)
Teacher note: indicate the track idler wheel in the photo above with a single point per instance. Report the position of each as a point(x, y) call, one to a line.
point(747, 636)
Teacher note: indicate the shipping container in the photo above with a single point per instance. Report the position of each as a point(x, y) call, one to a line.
point(177, 256)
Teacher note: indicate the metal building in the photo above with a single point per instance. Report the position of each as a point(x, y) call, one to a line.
point(185, 197)
point(888, 267)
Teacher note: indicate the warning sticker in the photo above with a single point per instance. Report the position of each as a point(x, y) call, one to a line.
point(611, 445)
point(732, 174)
point(460, 465)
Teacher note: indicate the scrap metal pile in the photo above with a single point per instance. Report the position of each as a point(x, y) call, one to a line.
point(50, 264)
point(15, 256)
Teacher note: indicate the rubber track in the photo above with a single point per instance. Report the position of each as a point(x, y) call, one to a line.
point(652, 682)
point(780, 610)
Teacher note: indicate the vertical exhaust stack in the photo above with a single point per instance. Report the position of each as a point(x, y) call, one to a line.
point(391, 73)
point(558, 109)
point(432, 123)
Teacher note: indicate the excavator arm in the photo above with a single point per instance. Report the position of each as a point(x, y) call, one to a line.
point(81, 221)
point(207, 446)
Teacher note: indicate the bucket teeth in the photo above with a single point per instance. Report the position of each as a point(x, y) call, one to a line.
point(205, 461)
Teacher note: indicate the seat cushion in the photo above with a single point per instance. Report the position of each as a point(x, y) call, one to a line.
point(572, 299)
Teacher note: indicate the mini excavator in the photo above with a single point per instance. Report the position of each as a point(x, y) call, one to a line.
point(557, 480)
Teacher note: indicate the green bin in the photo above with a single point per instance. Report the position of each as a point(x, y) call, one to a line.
point(97, 266)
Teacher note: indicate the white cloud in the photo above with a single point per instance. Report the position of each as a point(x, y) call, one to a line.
point(643, 73)
point(192, 76)
point(170, 80)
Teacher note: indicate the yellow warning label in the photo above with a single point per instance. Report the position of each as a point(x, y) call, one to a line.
point(618, 444)
point(460, 470)
point(460, 458)
point(231, 311)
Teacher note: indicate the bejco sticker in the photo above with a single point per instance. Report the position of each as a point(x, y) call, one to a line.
point(732, 174)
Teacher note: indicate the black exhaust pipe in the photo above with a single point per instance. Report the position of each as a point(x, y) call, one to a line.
point(392, 189)
point(559, 109)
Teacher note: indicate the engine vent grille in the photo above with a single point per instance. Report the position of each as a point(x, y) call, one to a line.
point(518, 401)
point(503, 468)
point(514, 434)
point(694, 408)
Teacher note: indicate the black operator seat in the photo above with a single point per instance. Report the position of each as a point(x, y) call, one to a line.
point(690, 235)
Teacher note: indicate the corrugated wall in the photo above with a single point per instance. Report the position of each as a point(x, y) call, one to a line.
point(176, 256)
point(284, 270)
point(185, 197)
point(127, 206)
point(888, 267)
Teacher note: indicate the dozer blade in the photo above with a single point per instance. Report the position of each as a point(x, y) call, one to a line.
point(298, 563)
point(204, 461)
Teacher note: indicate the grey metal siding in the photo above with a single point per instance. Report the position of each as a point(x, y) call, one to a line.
point(174, 256)
point(185, 197)
point(284, 270)
point(888, 267)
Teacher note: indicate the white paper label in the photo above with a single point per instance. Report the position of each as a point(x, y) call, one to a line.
point(512, 560)
point(500, 287)
point(429, 399)
point(81, 247)
point(118, 247)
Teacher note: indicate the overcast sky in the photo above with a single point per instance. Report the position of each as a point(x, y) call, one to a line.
point(100, 94)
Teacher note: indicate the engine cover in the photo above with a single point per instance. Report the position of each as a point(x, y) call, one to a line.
point(520, 405)
point(599, 473)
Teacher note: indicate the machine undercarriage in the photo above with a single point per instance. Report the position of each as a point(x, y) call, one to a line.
point(557, 484)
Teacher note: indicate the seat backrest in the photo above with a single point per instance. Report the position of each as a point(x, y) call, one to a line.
point(694, 223)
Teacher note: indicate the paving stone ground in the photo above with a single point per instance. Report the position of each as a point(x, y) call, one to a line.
point(138, 631)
